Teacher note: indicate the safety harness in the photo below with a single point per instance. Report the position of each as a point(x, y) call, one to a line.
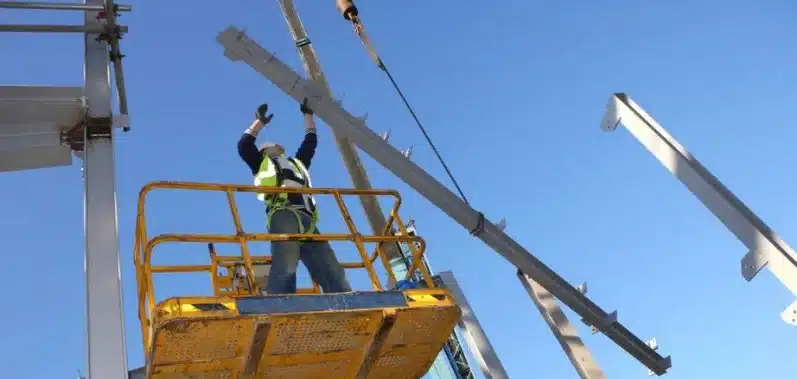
point(273, 174)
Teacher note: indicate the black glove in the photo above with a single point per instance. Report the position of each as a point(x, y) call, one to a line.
point(262, 114)
point(304, 108)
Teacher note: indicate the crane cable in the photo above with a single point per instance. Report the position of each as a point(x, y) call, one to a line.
point(359, 29)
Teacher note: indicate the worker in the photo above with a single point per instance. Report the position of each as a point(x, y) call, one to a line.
point(291, 213)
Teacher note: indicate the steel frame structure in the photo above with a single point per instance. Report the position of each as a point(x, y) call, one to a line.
point(239, 47)
point(93, 143)
point(766, 248)
point(351, 159)
point(90, 137)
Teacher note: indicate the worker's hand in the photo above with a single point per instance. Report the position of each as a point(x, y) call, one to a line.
point(304, 108)
point(262, 114)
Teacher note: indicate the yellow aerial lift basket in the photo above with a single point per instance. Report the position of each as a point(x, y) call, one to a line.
point(240, 333)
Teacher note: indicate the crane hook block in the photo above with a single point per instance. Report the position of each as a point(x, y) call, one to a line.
point(347, 9)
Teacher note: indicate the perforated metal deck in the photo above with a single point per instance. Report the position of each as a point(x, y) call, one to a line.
point(375, 335)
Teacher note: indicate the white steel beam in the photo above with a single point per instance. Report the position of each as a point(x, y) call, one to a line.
point(359, 178)
point(34, 158)
point(789, 315)
point(239, 47)
point(107, 358)
point(36, 135)
point(42, 5)
point(766, 249)
point(476, 337)
point(565, 333)
point(31, 122)
point(41, 104)
point(42, 28)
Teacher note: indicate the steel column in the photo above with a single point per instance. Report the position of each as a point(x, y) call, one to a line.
point(477, 339)
point(107, 358)
point(565, 333)
point(453, 349)
point(766, 249)
point(240, 47)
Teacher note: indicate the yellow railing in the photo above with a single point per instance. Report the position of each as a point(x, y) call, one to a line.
point(143, 245)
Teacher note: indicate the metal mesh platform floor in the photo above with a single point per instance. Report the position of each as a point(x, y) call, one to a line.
point(385, 335)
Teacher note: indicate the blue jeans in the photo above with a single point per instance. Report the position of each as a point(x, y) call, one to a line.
point(318, 257)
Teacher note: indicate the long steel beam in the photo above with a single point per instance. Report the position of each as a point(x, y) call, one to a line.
point(42, 5)
point(565, 333)
point(45, 28)
point(453, 351)
point(480, 345)
point(359, 178)
point(239, 47)
point(766, 249)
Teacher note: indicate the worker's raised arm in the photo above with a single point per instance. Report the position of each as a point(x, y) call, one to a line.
point(306, 150)
point(247, 149)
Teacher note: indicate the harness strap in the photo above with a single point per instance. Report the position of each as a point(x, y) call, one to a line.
point(278, 207)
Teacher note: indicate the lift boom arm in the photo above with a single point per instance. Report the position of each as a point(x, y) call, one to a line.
point(238, 47)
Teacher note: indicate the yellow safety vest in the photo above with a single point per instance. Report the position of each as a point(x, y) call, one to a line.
point(270, 175)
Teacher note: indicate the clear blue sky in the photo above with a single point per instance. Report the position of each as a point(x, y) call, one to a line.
point(513, 94)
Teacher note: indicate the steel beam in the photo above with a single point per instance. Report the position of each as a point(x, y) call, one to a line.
point(240, 47)
point(58, 105)
point(40, 5)
point(114, 34)
point(766, 249)
point(33, 158)
point(107, 358)
point(48, 136)
point(789, 315)
point(453, 352)
point(565, 333)
point(32, 120)
point(96, 28)
point(480, 345)
point(359, 178)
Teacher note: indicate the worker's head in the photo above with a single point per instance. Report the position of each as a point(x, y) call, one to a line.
point(272, 149)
